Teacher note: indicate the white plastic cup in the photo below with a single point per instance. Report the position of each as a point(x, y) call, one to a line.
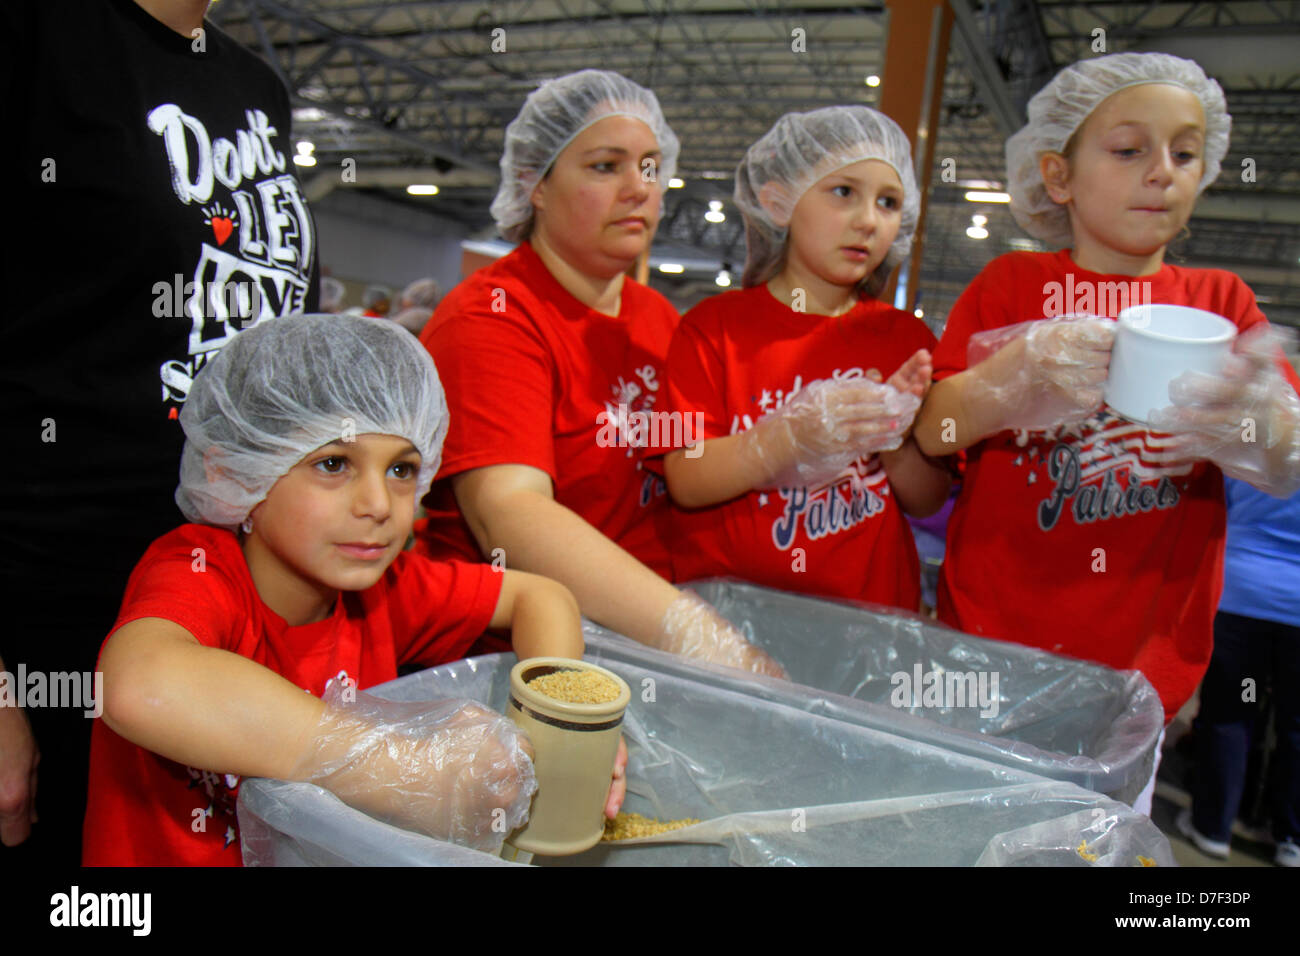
point(1154, 344)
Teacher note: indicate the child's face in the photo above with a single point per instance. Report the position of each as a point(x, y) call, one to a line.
point(1138, 161)
point(597, 207)
point(338, 518)
point(843, 226)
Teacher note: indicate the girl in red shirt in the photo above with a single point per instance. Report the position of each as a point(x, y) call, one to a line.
point(806, 466)
point(1077, 530)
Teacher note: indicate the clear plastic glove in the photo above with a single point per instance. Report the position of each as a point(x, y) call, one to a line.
point(1246, 421)
point(826, 426)
point(693, 628)
point(451, 768)
point(1039, 374)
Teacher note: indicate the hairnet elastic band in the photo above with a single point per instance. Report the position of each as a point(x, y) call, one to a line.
point(785, 230)
point(582, 129)
point(1127, 86)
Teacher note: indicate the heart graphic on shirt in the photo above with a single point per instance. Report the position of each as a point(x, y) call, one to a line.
point(221, 228)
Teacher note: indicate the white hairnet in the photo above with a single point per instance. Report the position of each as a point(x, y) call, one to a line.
point(331, 294)
point(552, 116)
point(376, 293)
point(287, 386)
point(803, 148)
point(1060, 108)
point(422, 293)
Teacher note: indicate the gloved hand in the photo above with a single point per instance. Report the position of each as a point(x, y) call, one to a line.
point(691, 627)
point(450, 768)
point(1246, 421)
point(825, 426)
point(1039, 374)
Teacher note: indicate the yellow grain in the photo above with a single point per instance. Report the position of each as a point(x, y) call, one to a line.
point(576, 687)
point(629, 826)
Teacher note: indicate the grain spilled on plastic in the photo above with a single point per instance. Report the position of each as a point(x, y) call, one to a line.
point(576, 687)
point(630, 826)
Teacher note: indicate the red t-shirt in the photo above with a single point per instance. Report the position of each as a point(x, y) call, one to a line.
point(1041, 514)
point(528, 369)
point(742, 354)
point(141, 806)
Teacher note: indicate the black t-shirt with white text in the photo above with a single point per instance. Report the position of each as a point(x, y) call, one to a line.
point(158, 214)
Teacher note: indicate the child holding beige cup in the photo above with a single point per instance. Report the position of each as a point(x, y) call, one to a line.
point(309, 440)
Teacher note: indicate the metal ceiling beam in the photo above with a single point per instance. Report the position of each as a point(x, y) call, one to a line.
point(985, 73)
point(365, 58)
point(827, 16)
point(424, 78)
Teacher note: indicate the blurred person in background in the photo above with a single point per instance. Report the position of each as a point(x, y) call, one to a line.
point(1256, 658)
point(377, 301)
point(416, 304)
point(331, 295)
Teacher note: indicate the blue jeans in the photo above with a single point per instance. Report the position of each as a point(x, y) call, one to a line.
point(1268, 653)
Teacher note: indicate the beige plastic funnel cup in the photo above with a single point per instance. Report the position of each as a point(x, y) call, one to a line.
point(574, 748)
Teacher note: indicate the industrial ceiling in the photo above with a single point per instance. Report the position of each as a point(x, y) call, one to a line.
point(419, 91)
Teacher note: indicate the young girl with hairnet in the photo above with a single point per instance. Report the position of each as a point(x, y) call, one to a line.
point(308, 442)
point(803, 383)
point(552, 348)
point(1076, 530)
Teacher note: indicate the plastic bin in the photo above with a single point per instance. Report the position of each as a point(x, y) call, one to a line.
point(772, 784)
point(1058, 717)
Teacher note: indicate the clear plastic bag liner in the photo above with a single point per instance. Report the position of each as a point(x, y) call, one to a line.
point(301, 824)
point(1058, 717)
point(772, 785)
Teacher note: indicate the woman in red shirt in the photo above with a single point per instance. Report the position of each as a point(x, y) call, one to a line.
point(546, 347)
